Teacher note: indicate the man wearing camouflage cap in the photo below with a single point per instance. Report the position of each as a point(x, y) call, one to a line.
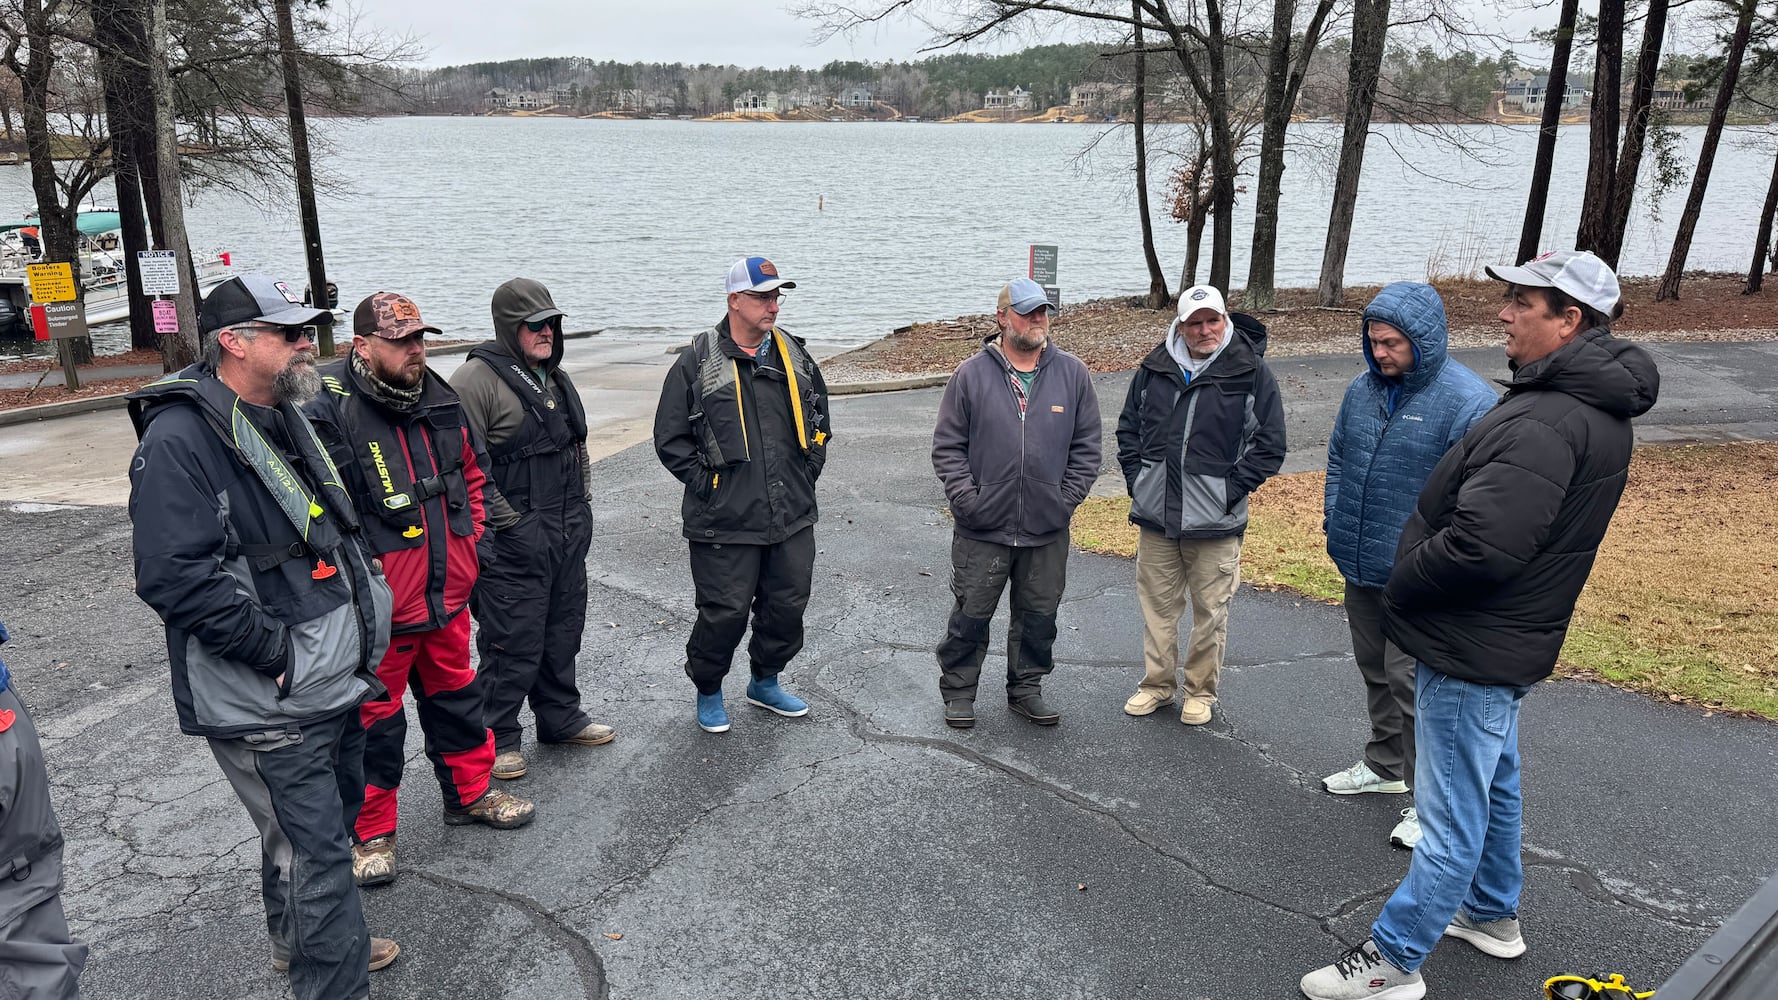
point(401, 440)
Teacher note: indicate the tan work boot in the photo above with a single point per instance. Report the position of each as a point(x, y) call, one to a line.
point(383, 952)
point(509, 765)
point(1196, 711)
point(1145, 703)
point(498, 809)
point(593, 735)
point(373, 862)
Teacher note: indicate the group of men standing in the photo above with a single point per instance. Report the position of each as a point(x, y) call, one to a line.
point(312, 538)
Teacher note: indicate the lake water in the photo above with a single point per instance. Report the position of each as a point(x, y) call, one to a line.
point(633, 224)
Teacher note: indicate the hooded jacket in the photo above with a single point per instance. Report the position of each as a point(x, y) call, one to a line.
point(1191, 452)
point(529, 419)
point(1015, 478)
point(748, 453)
point(248, 548)
point(1507, 526)
point(1391, 432)
point(417, 479)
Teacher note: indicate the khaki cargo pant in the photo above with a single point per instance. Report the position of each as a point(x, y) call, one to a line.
point(1168, 570)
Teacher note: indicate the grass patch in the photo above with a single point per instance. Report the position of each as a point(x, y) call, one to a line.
point(1682, 602)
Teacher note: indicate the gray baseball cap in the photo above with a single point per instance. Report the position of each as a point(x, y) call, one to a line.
point(1583, 276)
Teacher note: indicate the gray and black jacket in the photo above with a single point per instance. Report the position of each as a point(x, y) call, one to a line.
point(748, 436)
point(1012, 478)
point(1191, 452)
point(248, 548)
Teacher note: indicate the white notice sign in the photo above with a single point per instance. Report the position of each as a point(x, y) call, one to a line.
point(160, 272)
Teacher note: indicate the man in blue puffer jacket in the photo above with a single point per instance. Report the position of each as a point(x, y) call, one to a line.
point(1395, 423)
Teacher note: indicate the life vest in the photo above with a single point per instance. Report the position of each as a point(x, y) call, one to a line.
point(718, 413)
point(540, 464)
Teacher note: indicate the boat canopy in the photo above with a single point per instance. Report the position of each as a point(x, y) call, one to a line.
point(90, 223)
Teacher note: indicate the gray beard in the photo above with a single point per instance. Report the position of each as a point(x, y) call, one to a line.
point(298, 383)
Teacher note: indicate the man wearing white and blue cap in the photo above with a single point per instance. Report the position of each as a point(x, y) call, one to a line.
point(1017, 448)
point(743, 423)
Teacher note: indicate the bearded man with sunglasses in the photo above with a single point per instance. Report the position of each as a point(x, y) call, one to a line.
point(276, 613)
point(530, 600)
point(743, 423)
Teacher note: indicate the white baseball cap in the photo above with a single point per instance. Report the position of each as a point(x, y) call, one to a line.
point(1583, 276)
point(755, 274)
point(1200, 297)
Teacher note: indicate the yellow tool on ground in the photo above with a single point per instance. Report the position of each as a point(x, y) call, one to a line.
point(1582, 988)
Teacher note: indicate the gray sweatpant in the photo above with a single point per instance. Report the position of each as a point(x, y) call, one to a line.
point(1388, 686)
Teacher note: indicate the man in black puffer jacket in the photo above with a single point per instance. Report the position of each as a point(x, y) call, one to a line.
point(1486, 576)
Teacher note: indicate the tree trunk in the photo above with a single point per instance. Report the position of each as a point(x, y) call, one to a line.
point(1762, 240)
point(56, 225)
point(1222, 137)
point(1284, 78)
point(1531, 233)
point(305, 176)
point(120, 60)
point(1370, 23)
point(177, 349)
point(1629, 164)
point(1194, 242)
point(1596, 204)
point(1157, 279)
point(1694, 202)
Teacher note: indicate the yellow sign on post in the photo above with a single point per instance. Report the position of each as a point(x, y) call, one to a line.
point(51, 282)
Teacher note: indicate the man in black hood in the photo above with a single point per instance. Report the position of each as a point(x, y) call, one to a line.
point(1485, 579)
point(530, 600)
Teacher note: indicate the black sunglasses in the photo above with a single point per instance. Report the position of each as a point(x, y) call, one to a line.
point(540, 325)
point(292, 334)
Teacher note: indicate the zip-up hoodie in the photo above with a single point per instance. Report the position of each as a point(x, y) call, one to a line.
point(1011, 478)
point(1191, 452)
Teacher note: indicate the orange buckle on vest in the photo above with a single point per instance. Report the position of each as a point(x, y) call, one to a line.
point(322, 570)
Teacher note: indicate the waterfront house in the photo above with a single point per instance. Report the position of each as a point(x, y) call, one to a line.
point(1101, 98)
point(859, 98)
point(1016, 99)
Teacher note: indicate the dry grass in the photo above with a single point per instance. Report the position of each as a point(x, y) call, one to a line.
point(1682, 602)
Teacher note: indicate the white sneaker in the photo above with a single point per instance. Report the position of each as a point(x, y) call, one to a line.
point(1361, 974)
point(1499, 938)
point(1407, 832)
point(1359, 778)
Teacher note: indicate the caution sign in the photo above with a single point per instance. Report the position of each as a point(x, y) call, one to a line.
point(59, 320)
point(51, 282)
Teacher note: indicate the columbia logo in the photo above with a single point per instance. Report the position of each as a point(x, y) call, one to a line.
point(1415, 419)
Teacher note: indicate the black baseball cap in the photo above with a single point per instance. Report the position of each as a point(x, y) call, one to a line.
point(251, 298)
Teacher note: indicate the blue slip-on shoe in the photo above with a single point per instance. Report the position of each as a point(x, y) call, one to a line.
point(769, 696)
point(712, 717)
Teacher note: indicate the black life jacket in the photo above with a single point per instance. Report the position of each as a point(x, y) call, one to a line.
point(539, 466)
point(716, 413)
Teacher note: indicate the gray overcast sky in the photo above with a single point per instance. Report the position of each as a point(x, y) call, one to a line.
point(743, 32)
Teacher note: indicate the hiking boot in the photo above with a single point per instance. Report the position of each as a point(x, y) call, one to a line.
point(1361, 974)
point(768, 695)
point(373, 862)
point(712, 717)
point(498, 809)
point(593, 735)
point(1407, 832)
point(1145, 703)
point(1359, 778)
point(383, 952)
point(1196, 711)
point(509, 765)
point(960, 714)
point(1033, 707)
point(1500, 938)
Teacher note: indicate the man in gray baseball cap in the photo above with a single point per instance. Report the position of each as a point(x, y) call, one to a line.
point(1486, 575)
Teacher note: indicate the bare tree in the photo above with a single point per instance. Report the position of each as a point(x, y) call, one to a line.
point(1762, 240)
point(1719, 113)
point(1623, 189)
point(1531, 233)
point(1157, 279)
point(1370, 25)
point(1596, 204)
point(1285, 71)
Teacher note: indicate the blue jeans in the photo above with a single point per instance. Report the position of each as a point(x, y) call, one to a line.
point(1466, 789)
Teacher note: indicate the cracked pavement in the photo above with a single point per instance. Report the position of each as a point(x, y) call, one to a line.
point(867, 850)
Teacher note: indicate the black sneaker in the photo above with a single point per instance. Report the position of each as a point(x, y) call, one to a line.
point(1032, 707)
point(960, 714)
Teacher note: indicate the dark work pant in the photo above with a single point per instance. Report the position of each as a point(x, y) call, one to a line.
point(435, 665)
point(979, 572)
point(304, 798)
point(771, 580)
point(39, 959)
point(530, 602)
point(1388, 686)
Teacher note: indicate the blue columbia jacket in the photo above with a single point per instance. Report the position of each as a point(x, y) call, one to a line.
point(1391, 432)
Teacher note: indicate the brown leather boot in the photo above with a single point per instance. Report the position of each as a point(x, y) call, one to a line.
point(498, 809)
